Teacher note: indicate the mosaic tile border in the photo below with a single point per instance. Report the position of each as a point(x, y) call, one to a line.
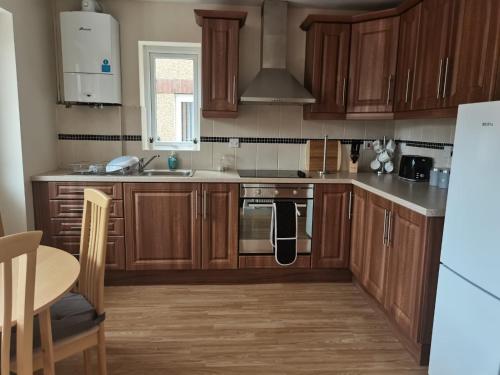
point(138, 138)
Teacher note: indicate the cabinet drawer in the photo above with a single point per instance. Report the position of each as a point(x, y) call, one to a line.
point(74, 190)
point(115, 252)
point(72, 227)
point(74, 208)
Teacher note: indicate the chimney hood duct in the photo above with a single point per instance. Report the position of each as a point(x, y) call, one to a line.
point(273, 84)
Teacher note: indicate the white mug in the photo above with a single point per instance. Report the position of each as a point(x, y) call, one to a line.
point(377, 146)
point(375, 165)
point(391, 146)
point(384, 157)
point(389, 167)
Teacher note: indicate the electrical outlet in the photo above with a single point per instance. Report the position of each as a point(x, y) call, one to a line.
point(368, 145)
point(234, 142)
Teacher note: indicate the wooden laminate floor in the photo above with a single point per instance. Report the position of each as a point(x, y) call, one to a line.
point(247, 329)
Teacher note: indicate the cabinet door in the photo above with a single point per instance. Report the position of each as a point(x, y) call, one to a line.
point(220, 226)
point(220, 66)
point(407, 54)
point(373, 65)
point(327, 64)
point(375, 257)
point(331, 232)
point(358, 231)
point(472, 65)
point(163, 226)
point(405, 265)
point(433, 47)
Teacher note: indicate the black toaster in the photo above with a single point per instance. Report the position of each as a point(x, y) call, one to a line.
point(415, 168)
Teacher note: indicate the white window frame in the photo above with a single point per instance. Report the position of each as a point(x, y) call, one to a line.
point(147, 53)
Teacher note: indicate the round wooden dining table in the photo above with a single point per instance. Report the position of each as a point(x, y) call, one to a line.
point(56, 273)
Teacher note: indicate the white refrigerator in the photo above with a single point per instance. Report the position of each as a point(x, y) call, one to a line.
point(466, 335)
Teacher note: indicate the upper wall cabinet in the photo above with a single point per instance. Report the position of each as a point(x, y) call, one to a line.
point(457, 56)
point(372, 70)
point(433, 49)
point(420, 59)
point(474, 58)
point(327, 69)
point(407, 54)
point(220, 50)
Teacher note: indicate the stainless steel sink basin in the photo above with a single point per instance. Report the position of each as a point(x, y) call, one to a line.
point(167, 172)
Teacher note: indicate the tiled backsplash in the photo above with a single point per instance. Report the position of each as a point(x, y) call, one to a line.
point(272, 137)
point(439, 132)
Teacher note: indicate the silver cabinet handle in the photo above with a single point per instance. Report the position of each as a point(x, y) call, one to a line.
point(440, 77)
point(389, 85)
point(234, 89)
point(384, 240)
point(204, 205)
point(447, 65)
point(196, 205)
point(344, 88)
point(389, 229)
point(350, 205)
point(71, 209)
point(78, 227)
point(407, 86)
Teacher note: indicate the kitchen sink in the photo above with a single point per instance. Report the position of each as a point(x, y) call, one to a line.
point(168, 172)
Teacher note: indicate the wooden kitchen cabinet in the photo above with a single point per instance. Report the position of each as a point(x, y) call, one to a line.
point(406, 240)
point(409, 29)
point(400, 267)
point(372, 70)
point(433, 48)
point(473, 61)
point(331, 231)
point(163, 226)
point(374, 272)
point(326, 70)
point(58, 210)
point(220, 58)
point(357, 231)
point(220, 226)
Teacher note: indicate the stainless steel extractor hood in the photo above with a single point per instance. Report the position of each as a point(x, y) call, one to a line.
point(274, 84)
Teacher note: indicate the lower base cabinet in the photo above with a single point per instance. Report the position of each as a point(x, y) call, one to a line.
point(162, 226)
point(220, 212)
point(173, 226)
point(332, 226)
point(400, 266)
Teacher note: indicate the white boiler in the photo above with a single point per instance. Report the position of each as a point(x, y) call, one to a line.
point(90, 58)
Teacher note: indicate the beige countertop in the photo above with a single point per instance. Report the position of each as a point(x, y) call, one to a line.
point(417, 196)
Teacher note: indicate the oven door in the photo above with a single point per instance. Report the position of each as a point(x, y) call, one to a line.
point(255, 226)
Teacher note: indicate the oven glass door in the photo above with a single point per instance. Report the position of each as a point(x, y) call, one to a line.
point(255, 225)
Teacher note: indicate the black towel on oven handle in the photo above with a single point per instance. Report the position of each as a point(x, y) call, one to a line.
point(284, 232)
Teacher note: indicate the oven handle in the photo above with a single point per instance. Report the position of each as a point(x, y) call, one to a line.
point(270, 205)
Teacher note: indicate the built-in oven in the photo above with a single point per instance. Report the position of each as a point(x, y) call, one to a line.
point(256, 202)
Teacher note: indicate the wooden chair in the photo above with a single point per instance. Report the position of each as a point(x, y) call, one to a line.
point(90, 288)
point(19, 307)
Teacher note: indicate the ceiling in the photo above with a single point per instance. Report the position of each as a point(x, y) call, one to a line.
point(331, 4)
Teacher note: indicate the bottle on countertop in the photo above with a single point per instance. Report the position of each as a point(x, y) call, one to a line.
point(172, 161)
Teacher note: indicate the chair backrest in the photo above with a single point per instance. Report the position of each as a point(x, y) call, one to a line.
point(18, 306)
point(93, 243)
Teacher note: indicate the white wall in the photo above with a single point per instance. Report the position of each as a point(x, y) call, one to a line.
point(12, 195)
point(34, 50)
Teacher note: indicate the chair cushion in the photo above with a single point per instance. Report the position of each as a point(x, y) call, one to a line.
point(70, 316)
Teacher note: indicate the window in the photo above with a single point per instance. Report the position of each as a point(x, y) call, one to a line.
point(169, 80)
